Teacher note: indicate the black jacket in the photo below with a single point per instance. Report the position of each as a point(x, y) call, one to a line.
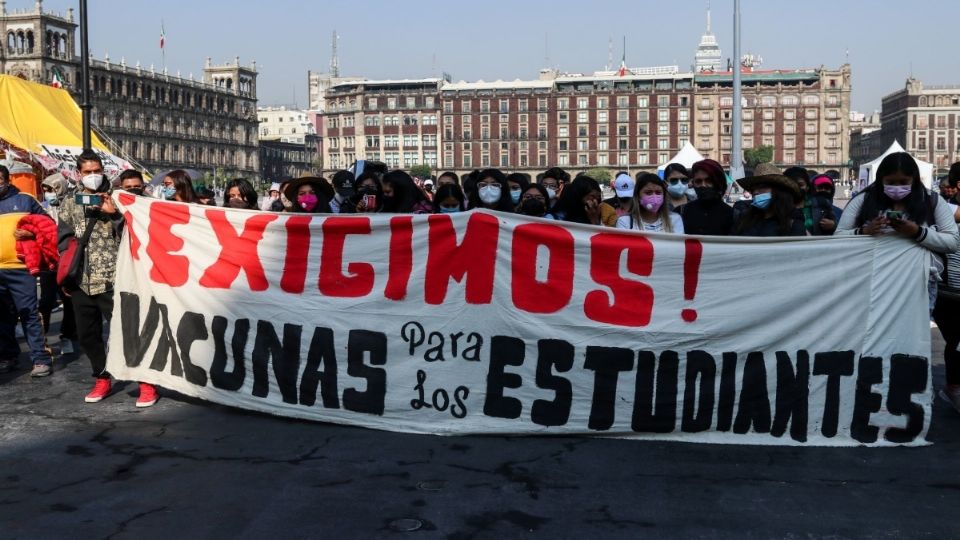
point(710, 217)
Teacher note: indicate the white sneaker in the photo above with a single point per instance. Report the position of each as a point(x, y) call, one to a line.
point(66, 346)
point(952, 397)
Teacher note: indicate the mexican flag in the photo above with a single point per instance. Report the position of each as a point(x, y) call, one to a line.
point(56, 80)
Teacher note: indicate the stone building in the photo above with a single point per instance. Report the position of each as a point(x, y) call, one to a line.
point(152, 118)
point(926, 122)
point(865, 142)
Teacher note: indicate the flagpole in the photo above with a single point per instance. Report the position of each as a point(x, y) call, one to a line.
point(84, 75)
point(736, 155)
point(163, 45)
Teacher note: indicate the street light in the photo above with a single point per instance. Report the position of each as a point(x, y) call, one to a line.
point(736, 156)
point(85, 75)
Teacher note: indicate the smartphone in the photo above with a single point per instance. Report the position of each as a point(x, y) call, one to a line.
point(88, 199)
point(894, 214)
point(370, 202)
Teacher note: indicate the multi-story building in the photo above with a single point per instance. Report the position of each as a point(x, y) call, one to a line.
point(287, 125)
point(150, 117)
point(926, 122)
point(803, 114)
point(708, 57)
point(317, 85)
point(865, 141)
point(391, 121)
point(280, 159)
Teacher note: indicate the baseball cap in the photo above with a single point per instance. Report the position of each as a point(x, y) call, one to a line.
point(624, 185)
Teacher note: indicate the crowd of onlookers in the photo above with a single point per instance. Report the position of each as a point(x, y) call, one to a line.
point(774, 203)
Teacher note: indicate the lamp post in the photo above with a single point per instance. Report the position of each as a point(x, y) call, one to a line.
point(85, 75)
point(736, 155)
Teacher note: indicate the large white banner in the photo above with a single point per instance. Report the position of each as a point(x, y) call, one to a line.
point(492, 323)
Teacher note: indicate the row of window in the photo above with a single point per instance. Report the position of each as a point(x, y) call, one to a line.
point(373, 103)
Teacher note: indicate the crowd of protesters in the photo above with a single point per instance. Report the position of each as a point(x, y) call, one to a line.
point(774, 203)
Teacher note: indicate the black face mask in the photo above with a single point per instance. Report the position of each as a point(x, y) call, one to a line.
point(135, 191)
point(533, 207)
point(826, 195)
point(706, 193)
point(237, 203)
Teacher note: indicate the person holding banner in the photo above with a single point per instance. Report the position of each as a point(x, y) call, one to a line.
point(369, 196)
point(177, 186)
point(93, 216)
point(401, 195)
point(518, 184)
point(708, 214)
point(533, 202)
point(580, 202)
point(553, 180)
point(772, 208)
point(239, 193)
point(309, 194)
point(649, 212)
point(492, 191)
point(449, 199)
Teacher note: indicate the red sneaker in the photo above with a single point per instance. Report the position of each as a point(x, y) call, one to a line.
point(101, 389)
point(148, 395)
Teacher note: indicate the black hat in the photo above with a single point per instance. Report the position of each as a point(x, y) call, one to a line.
point(344, 182)
point(320, 185)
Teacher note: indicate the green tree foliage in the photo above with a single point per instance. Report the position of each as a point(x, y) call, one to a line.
point(755, 156)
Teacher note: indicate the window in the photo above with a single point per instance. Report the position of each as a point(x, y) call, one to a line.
point(768, 101)
point(391, 141)
point(663, 101)
point(663, 144)
point(684, 115)
point(684, 129)
point(643, 116)
point(704, 103)
point(663, 129)
point(428, 102)
point(602, 130)
point(726, 101)
point(484, 160)
point(624, 101)
point(768, 128)
point(789, 127)
point(789, 142)
point(563, 117)
point(563, 131)
point(602, 103)
point(622, 129)
point(563, 103)
point(642, 158)
point(467, 161)
point(582, 131)
point(622, 144)
point(504, 105)
point(448, 161)
point(602, 144)
point(643, 143)
point(391, 103)
point(563, 159)
point(485, 105)
point(810, 127)
point(623, 116)
point(372, 104)
point(663, 115)
point(522, 105)
point(582, 159)
point(583, 103)
point(542, 104)
point(582, 117)
point(582, 145)
point(789, 114)
point(466, 106)
point(811, 100)
point(504, 160)
point(643, 129)
point(810, 114)
point(373, 142)
point(602, 116)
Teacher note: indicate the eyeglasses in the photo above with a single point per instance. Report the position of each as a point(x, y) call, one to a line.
point(675, 181)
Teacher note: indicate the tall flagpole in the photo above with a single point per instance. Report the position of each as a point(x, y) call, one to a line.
point(84, 75)
point(736, 155)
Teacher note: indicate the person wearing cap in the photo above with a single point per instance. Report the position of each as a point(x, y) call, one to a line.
point(344, 189)
point(771, 211)
point(428, 189)
point(818, 216)
point(622, 201)
point(649, 209)
point(708, 214)
point(825, 188)
point(273, 197)
point(309, 194)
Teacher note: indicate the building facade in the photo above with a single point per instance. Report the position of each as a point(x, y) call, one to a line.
point(287, 125)
point(279, 159)
point(865, 141)
point(152, 118)
point(926, 122)
point(391, 121)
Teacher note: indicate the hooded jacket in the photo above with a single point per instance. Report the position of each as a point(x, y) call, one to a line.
point(40, 252)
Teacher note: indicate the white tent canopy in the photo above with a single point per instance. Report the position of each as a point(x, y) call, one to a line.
point(687, 156)
point(868, 171)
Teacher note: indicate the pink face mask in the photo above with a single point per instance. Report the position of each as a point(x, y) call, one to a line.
point(897, 193)
point(652, 202)
point(307, 201)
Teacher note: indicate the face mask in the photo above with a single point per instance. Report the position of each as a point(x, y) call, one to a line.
point(489, 194)
point(691, 194)
point(897, 193)
point(552, 193)
point(706, 193)
point(136, 191)
point(652, 202)
point(449, 209)
point(826, 195)
point(92, 181)
point(237, 203)
point(307, 201)
point(50, 197)
point(677, 190)
point(762, 201)
point(533, 207)
point(169, 193)
point(515, 195)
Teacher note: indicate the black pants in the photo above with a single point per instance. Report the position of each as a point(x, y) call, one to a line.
point(90, 312)
point(946, 314)
point(50, 294)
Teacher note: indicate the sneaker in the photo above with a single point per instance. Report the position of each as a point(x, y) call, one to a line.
point(66, 346)
point(148, 395)
point(101, 389)
point(7, 365)
point(952, 397)
point(41, 370)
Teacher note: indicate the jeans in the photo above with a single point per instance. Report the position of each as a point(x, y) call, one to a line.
point(90, 312)
point(18, 301)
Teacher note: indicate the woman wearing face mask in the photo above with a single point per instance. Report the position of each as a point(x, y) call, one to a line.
point(650, 212)
point(240, 194)
point(492, 191)
point(679, 190)
point(533, 202)
point(772, 211)
point(368, 197)
point(401, 195)
point(309, 194)
point(580, 202)
point(553, 180)
point(177, 186)
point(449, 199)
point(518, 183)
point(708, 214)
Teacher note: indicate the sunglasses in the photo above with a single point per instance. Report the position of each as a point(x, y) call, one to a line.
point(675, 181)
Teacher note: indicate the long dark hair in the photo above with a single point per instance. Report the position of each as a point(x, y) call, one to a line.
point(247, 193)
point(675, 167)
point(183, 185)
point(406, 194)
point(444, 192)
point(504, 204)
point(782, 206)
point(918, 203)
point(570, 204)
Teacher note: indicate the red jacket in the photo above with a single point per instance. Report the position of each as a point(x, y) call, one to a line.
point(40, 252)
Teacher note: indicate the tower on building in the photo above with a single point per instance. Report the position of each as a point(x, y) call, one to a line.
point(708, 57)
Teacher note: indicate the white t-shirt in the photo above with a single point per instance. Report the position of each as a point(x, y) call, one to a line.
point(628, 222)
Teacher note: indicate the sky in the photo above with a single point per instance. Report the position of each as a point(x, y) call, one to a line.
point(885, 40)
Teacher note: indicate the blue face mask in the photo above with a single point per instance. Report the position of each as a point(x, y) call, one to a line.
point(762, 201)
point(449, 210)
point(169, 193)
point(515, 196)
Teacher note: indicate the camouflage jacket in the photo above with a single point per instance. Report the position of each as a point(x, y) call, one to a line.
point(100, 256)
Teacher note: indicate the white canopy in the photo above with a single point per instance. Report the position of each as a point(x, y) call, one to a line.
point(868, 171)
point(687, 156)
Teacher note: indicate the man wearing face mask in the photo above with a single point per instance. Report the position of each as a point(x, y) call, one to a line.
point(344, 189)
point(708, 214)
point(553, 180)
point(18, 288)
point(824, 188)
point(92, 295)
point(818, 217)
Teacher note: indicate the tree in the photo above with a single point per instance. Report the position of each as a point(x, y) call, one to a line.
point(601, 175)
point(755, 156)
point(421, 171)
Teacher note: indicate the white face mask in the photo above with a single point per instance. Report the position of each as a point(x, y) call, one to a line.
point(552, 193)
point(489, 194)
point(92, 181)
